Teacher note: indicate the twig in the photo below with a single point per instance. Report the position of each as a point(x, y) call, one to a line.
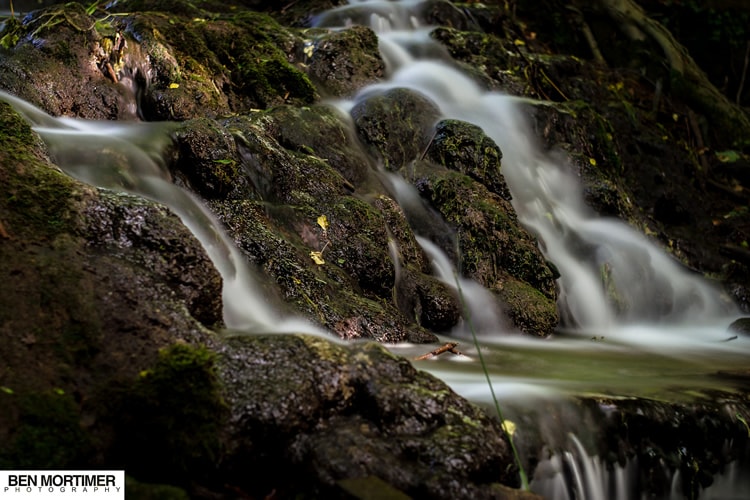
point(110, 71)
point(744, 73)
point(693, 120)
point(448, 347)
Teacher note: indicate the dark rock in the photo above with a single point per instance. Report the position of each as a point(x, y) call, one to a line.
point(57, 61)
point(396, 126)
point(740, 327)
point(208, 161)
point(493, 248)
point(465, 148)
point(342, 62)
point(344, 413)
point(320, 132)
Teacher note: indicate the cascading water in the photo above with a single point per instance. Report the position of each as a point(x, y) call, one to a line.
point(127, 157)
point(636, 360)
point(660, 304)
point(548, 199)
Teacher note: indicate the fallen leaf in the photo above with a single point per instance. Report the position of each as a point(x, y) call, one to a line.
point(317, 257)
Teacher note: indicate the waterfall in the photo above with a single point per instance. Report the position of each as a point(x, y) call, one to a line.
point(669, 314)
point(549, 202)
point(127, 157)
point(547, 197)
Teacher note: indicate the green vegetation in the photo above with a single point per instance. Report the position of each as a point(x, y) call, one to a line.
point(505, 424)
point(170, 421)
point(47, 435)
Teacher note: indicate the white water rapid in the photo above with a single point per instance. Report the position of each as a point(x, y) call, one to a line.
point(668, 340)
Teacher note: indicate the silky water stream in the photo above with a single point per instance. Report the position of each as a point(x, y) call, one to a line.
point(669, 346)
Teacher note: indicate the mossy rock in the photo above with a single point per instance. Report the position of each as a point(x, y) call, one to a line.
point(330, 412)
point(528, 309)
point(396, 126)
point(169, 423)
point(279, 240)
point(279, 175)
point(492, 245)
point(319, 131)
point(208, 160)
point(59, 47)
point(42, 430)
point(342, 62)
point(464, 147)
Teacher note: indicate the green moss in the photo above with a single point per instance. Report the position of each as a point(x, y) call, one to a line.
point(37, 196)
point(531, 311)
point(47, 433)
point(248, 44)
point(171, 418)
point(144, 491)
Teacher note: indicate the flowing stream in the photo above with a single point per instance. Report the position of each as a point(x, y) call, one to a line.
point(669, 345)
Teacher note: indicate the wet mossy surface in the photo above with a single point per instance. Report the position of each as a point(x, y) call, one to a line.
point(377, 411)
point(170, 421)
point(47, 433)
point(257, 144)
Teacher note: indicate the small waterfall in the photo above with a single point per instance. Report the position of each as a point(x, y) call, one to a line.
point(127, 157)
point(574, 474)
point(598, 258)
point(483, 314)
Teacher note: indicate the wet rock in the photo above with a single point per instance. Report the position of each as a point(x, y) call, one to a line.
point(280, 175)
point(55, 59)
point(216, 66)
point(319, 131)
point(491, 60)
point(740, 327)
point(396, 126)
point(208, 161)
point(103, 281)
point(465, 148)
point(342, 62)
point(493, 248)
point(413, 422)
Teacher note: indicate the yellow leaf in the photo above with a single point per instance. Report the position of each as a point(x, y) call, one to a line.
point(317, 257)
point(323, 222)
point(509, 427)
point(675, 116)
point(592, 161)
point(518, 42)
point(174, 85)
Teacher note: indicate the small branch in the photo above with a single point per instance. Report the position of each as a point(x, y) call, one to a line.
point(448, 347)
point(744, 74)
point(701, 151)
point(3, 233)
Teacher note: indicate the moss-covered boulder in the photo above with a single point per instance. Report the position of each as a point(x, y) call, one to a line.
point(61, 60)
point(493, 248)
point(396, 126)
point(351, 413)
point(342, 62)
point(320, 131)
